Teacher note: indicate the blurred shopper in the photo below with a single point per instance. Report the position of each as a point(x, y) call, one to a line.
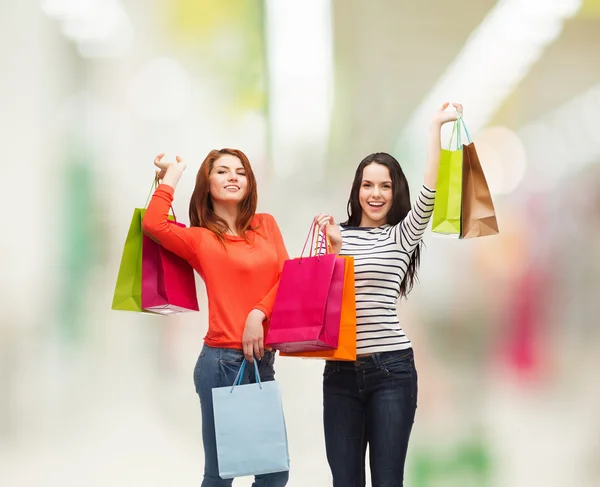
point(239, 254)
point(373, 401)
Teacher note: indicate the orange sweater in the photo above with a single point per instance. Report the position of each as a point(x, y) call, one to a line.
point(239, 277)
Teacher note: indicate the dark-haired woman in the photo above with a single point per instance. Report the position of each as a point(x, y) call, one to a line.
point(373, 401)
point(239, 255)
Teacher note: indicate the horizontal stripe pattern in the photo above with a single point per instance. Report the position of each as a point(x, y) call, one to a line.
point(381, 259)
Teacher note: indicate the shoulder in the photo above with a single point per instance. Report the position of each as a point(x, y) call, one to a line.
point(265, 219)
point(265, 224)
point(199, 233)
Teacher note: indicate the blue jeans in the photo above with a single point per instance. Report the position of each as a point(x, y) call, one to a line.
point(371, 401)
point(217, 367)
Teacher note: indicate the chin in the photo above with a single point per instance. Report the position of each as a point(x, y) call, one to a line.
point(230, 199)
point(234, 199)
point(379, 219)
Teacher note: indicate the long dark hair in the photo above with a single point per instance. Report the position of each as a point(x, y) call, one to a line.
point(398, 210)
point(201, 206)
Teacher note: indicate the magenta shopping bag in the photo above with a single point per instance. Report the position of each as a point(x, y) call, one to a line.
point(307, 309)
point(168, 284)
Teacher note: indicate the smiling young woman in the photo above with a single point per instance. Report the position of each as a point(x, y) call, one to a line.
point(373, 400)
point(239, 254)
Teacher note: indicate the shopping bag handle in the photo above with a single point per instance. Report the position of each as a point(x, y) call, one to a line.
point(323, 245)
point(325, 242)
point(460, 122)
point(240, 375)
point(152, 189)
point(311, 231)
point(464, 125)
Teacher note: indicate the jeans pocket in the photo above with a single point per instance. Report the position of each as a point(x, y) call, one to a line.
point(232, 363)
point(399, 364)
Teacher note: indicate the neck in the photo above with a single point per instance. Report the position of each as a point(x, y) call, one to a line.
point(365, 221)
point(229, 213)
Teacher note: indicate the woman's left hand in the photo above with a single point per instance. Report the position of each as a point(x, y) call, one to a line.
point(253, 337)
point(324, 220)
point(441, 116)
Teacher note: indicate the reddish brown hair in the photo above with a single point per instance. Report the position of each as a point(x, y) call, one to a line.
point(201, 205)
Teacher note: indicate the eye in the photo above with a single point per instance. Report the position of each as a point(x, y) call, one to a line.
point(387, 186)
point(366, 185)
point(220, 171)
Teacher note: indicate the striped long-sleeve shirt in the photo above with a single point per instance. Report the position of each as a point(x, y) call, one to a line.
point(381, 258)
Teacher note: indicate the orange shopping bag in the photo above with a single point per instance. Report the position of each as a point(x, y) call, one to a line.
point(346, 349)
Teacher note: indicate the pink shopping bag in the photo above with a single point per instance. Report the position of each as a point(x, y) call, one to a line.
point(168, 284)
point(307, 309)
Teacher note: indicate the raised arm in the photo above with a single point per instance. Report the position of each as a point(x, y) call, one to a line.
point(156, 224)
point(440, 117)
point(411, 229)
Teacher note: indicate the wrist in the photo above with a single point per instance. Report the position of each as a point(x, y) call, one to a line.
point(435, 126)
point(259, 314)
point(172, 176)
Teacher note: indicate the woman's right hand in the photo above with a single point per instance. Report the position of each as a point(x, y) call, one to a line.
point(176, 168)
point(333, 231)
point(441, 116)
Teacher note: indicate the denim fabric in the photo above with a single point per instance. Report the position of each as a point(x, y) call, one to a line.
point(369, 402)
point(217, 367)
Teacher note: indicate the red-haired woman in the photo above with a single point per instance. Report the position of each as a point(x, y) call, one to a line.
point(239, 254)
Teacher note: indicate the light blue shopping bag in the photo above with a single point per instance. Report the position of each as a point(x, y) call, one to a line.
point(250, 428)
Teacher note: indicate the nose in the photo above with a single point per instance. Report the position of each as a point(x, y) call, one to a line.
point(232, 177)
point(376, 192)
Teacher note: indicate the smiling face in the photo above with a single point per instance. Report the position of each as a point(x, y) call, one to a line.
point(375, 195)
point(227, 180)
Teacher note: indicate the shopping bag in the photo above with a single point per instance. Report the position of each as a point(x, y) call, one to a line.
point(128, 289)
point(128, 295)
point(250, 428)
point(478, 218)
point(447, 205)
point(308, 305)
point(168, 284)
point(346, 349)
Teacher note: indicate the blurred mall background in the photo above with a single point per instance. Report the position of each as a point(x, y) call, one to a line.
point(506, 328)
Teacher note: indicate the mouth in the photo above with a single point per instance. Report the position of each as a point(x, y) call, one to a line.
point(376, 206)
point(232, 187)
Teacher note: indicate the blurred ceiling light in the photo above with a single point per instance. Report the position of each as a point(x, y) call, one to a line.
point(563, 141)
point(100, 28)
point(300, 73)
point(162, 90)
point(495, 58)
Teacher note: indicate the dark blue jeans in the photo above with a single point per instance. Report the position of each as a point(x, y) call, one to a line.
point(217, 367)
point(371, 401)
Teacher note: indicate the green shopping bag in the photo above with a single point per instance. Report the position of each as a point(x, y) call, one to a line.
point(447, 206)
point(128, 290)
